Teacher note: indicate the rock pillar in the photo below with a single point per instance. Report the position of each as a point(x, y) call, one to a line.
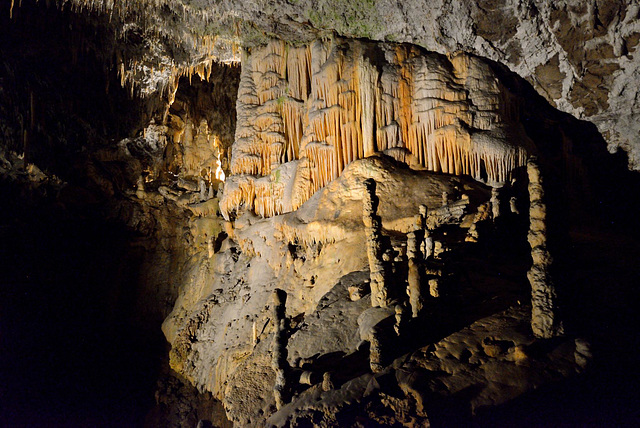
point(545, 322)
point(375, 250)
point(279, 362)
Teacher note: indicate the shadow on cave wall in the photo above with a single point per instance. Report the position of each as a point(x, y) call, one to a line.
point(70, 354)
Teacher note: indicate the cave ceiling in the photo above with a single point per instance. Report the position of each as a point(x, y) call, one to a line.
point(580, 56)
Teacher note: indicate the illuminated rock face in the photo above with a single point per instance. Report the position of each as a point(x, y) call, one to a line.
point(327, 104)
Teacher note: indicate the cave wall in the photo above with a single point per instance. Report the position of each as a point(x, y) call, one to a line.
point(134, 156)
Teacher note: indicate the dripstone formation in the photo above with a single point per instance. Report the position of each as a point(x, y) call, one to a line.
point(319, 213)
point(545, 320)
point(373, 230)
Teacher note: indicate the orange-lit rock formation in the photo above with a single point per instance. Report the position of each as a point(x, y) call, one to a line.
point(327, 104)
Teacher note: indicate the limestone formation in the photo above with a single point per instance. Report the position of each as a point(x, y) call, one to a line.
point(423, 212)
point(140, 193)
point(318, 115)
point(358, 291)
point(472, 233)
point(210, 246)
point(203, 190)
point(414, 280)
point(376, 351)
point(324, 105)
point(429, 245)
point(279, 362)
point(327, 382)
point(579, 56)
point(513, 205)
point(495, 203)
point(434, 287)
point(445, 199)
point(545, 320)
point(399, 326)
point(375, 249)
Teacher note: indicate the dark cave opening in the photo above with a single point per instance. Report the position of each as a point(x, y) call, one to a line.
point(73, 349)
point(70, 355)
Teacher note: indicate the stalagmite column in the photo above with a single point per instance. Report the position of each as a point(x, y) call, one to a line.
point(545, 322)
point(513, 205)
point(210, 246)
point(140, 193)
point(373, 231)
point(375, 352)
point(495, 203)
point(422, 209)
point(279, 347)
point(203, 190)
point(434, 287)
point(254, 333)
point(399, 326)
point(429, 244)
point(414, 291)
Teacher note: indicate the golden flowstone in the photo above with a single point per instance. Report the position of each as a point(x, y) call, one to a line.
point(332, 102)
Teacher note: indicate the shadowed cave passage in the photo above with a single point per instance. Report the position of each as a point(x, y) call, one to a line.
point(69, 353)
point(80, 343)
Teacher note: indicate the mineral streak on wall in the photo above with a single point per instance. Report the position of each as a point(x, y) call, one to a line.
point(334, 101)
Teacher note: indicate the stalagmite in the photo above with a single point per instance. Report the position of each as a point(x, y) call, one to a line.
point(210, 247)
point(438, 249)
point(495, 203)
point(445, 199)
point(545, 321)
point(399, 326)
point(140, 193)
point(434, 287)
point(375, 250)
point(279, 362)
point(203, 190)
point(254, 333)
point(423, 210)
point(414, 280)
point(480, 216)
point(513, 205)
point(472, 233)
point(211, 195)
point(376, 352)
point(327, 382)
point(428, 245)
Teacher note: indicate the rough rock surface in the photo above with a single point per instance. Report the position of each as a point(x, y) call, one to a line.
point(580, 56)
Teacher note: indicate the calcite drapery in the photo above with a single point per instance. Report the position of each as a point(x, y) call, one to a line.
point(329, 103)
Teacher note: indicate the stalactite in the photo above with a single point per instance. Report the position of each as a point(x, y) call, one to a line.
point(330, 103)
